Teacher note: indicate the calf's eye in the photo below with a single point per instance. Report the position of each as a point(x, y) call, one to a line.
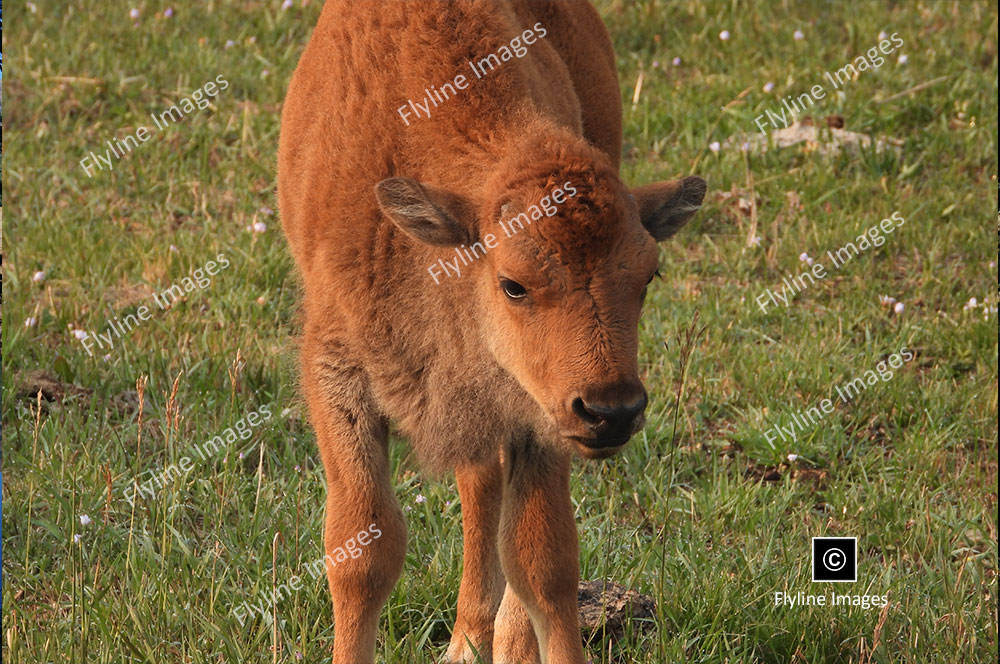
point(512, 289)
point(646, 287)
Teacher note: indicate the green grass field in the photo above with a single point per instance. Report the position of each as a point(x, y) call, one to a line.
point(701, 511)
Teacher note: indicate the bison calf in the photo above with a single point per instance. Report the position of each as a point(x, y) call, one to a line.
point(504, 366)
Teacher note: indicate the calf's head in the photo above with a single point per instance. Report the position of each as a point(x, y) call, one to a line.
point(558, 266)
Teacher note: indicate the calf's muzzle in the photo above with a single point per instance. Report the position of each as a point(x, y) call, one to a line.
point(610, 415)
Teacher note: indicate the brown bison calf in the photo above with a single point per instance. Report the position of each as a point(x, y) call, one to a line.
point(473, 269)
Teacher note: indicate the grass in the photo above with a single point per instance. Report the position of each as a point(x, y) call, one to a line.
point(700, 511)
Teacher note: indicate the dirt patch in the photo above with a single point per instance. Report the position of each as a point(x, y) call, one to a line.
point(125, 404)
point(607, 608)
point(30, 383)
point(763, 473)
point(814, 476)
point(826, 136)
point(121, 297)
point(737, 204)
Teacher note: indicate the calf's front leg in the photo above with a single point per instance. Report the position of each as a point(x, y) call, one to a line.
point(364, 531)
point(482, 580)
point(539, 550)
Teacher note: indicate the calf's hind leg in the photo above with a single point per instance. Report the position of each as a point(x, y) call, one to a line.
point(353, 441)
point(514, 640)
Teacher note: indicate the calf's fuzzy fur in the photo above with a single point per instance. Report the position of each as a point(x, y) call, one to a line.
point(501, 374)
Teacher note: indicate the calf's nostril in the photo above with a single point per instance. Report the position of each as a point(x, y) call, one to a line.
point(581, 410)
point(637, 407)
point(617, 415)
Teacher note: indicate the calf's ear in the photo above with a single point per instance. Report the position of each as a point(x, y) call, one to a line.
point(425, 214)
point(666, 206)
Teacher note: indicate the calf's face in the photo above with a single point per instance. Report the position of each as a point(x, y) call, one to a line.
point(561, 286)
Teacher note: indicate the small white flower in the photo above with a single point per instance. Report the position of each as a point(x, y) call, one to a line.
point(656, 63)
point(798, 36)
point(768, 86)
point(266, 211)
point(259, 227)
point(724, 35)
point(903, 59)
point(32, 8)
point(84, 520)
point(286, 412)
point(714, 146)
point(971, 304)
point(174, 249)
point(755, 241)
point(241, 455)
point(133, 14)
point(882, 35)
point(31, 321)
point(168, 12)
point(420, 499)
point(38, 276)
point(804, 258)
point(80, 334)
point(898, 308)
point(77, 538)
point(792, 458)
point(886, 300)
point(229, 43)
point(287, 4)
point(105, 358)
point(676, 61)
